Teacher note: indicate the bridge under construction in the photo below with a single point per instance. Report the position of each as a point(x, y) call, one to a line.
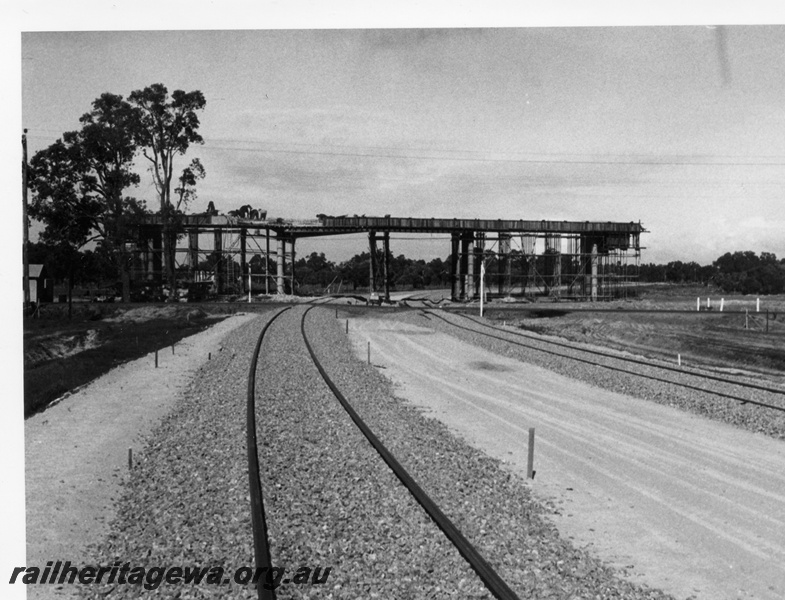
point(558, 259)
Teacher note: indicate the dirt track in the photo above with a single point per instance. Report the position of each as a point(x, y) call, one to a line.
point(690, 506)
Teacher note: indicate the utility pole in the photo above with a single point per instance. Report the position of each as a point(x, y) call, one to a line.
point(25, 233)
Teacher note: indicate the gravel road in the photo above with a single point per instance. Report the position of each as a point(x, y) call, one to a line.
point(330, 501)
point(690, 505)
point(747, 416)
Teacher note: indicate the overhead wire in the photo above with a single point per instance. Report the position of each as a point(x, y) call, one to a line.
point(495, 160)
point(644, 158)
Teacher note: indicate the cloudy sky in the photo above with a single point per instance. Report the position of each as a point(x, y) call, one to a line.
point(679, 127)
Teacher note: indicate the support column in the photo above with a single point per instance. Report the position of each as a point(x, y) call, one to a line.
point(193, 251)
point(243, 262)
point(292, 259)
point(470, 277)
point(219, 261)
point(280, 260)
point(504, 265)
point(553, 265)
point(508, 266)
point(533, 271)
point(372, 265)
point(157, 255)
point(479, 251)
point(557, 269)
point(147, 257)
point(267, 261)
point(594, 258)
point(463, 263)
point(454, 293)
point(529, 245)
point(386, 265)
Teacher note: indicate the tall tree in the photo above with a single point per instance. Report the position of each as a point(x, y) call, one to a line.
point(78, 183)
point(186, 189)
point(165, 127)
point(108, 145)
point(62, 203)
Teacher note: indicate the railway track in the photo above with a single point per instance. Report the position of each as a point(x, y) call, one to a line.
point(493, 582)
point(424, 302)
point(258, 518)
point(685, 378)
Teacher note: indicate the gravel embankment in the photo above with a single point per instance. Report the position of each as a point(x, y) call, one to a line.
point(747, 416)
point(329, 499)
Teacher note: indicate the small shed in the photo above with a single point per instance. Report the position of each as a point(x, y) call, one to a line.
point(41, 286)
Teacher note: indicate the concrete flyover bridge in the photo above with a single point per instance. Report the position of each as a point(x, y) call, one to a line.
point(586, 260)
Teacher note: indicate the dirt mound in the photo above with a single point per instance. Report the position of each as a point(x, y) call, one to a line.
point(195, 315)
point(60, 346)
point(146, 313)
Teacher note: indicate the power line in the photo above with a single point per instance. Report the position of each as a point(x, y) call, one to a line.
point(496, 160)
point(621, 159)
point(511, 152)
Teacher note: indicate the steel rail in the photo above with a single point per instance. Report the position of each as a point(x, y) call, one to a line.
point(261, 541)
point(611, 368)
point(425, 300)
point(489, 577)
point(628, 358)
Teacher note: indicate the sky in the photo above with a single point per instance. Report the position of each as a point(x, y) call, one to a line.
point(680, 127)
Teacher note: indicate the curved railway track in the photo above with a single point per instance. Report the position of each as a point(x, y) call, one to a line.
point(619, 363)
point(426, 302)
point(494, 583)
point(258, 520)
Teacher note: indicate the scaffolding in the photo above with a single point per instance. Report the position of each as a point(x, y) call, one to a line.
point(560, 266)
point(215, 260)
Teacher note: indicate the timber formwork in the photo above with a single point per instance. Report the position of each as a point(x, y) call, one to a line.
point(557, 259)
point(234, 255)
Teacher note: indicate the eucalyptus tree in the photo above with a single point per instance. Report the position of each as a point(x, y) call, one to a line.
point(164, 128)
point(79, 184)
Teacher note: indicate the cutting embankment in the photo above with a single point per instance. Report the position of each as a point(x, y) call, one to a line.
point(76, 452)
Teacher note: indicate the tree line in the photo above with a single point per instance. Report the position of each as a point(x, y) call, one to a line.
point(315, 272)
point(742, 272)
